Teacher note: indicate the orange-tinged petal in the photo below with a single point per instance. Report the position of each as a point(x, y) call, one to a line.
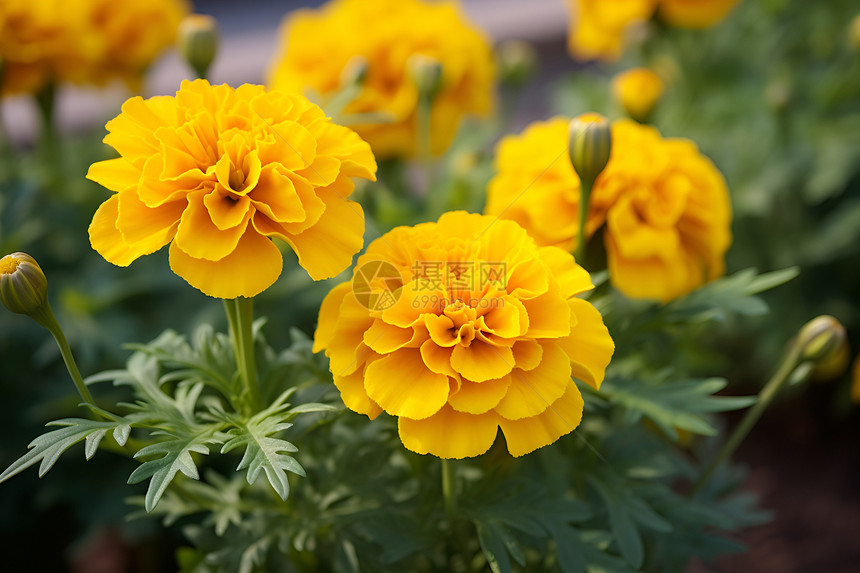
point(199, 238)
point(589, 345)
point(438, 358)
point(250, 269)
point(507, 316)
point(354, 396)
point(412, 304)
point(114, 174)
point(527, 354)
point(329, 312)
point(441, 329)
point(385, 338)
point(226, 210)
point(450, 434)
point(479, 397)
point(530, 393)
point(528, 434)
point(403, 386)
point(482, 361)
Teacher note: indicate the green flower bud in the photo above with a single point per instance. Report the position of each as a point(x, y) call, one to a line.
point(517, 62)
point(426, 74)
point(589, 146)
point(198, 42)
point(23, 286)
point(354, 72)
point(821, 339)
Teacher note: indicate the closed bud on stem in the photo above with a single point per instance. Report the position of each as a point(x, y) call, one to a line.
point(23, 286)
point(589, 146)
point(198, 42)
point(820, 339)
point(854, 33)
point(517, 62)
point(426, 74)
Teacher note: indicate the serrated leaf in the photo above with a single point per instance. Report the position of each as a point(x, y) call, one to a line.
point(313, 407)
point(47, 448)
point(174, 456)
point(493, 546)
point(263, 452)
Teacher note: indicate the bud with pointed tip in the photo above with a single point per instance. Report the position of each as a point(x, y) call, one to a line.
point(426, 74)
point(23, 286)
point(198, 42)
point(517, 62)
point(821, 339)
point(589, 146)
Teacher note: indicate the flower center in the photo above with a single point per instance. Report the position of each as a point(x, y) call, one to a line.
point(8, 265)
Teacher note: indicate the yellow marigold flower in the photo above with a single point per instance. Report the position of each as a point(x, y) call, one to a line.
point(637, 91)
point(317, 45)
point(216, 171)
point(694, 13)
point(483, 331)
point(85, 41)
point(598, 27)
point(664, 205)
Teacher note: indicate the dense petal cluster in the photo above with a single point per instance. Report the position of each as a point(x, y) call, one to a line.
point(599, 28)
point(85, 41)
point(483, 331)
point(318, 45)
point(217, 172)
point(663, 205)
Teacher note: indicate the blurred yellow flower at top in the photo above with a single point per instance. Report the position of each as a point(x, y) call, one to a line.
point(318, 45)
point(82, 41)
point(217, 172)
point(664, 205)
point(637, 91)
point(694, 13)
point(483, 331)
point(598, 28)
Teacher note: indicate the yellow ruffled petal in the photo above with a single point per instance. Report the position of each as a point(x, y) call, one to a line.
point(527, 354)
point(438, 358)
point(354, 396)
point(114, 174)
point(106, 238)
point(549, 316)
point(589, 345)
point(571, 278)
point(327, 248)
point(250, 269)
point(528, 434)
point(530, 393)
point(450, 434)
point(479, 397)
point(329, 312)
point(482, 361)
point(403, 386)
point(385, 338)
point(148, 229)
point(199, 238)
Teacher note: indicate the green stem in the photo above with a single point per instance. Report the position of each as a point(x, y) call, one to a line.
point(765, 397)
point(240, 313)
point(584, 198)
point(422, 113)
point(449, 486)
point(45, 317)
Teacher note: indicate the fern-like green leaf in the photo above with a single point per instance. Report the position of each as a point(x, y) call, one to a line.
point(263, 452)
point(47, 448)
point(172, 456)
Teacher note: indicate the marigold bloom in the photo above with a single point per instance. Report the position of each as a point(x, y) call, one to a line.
point(462, 352)
point(216, 172)
point(598, 27)
point(694, 13)
point(664, 205)
point(637, 91)
point(317, 45)
point(85, 41)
